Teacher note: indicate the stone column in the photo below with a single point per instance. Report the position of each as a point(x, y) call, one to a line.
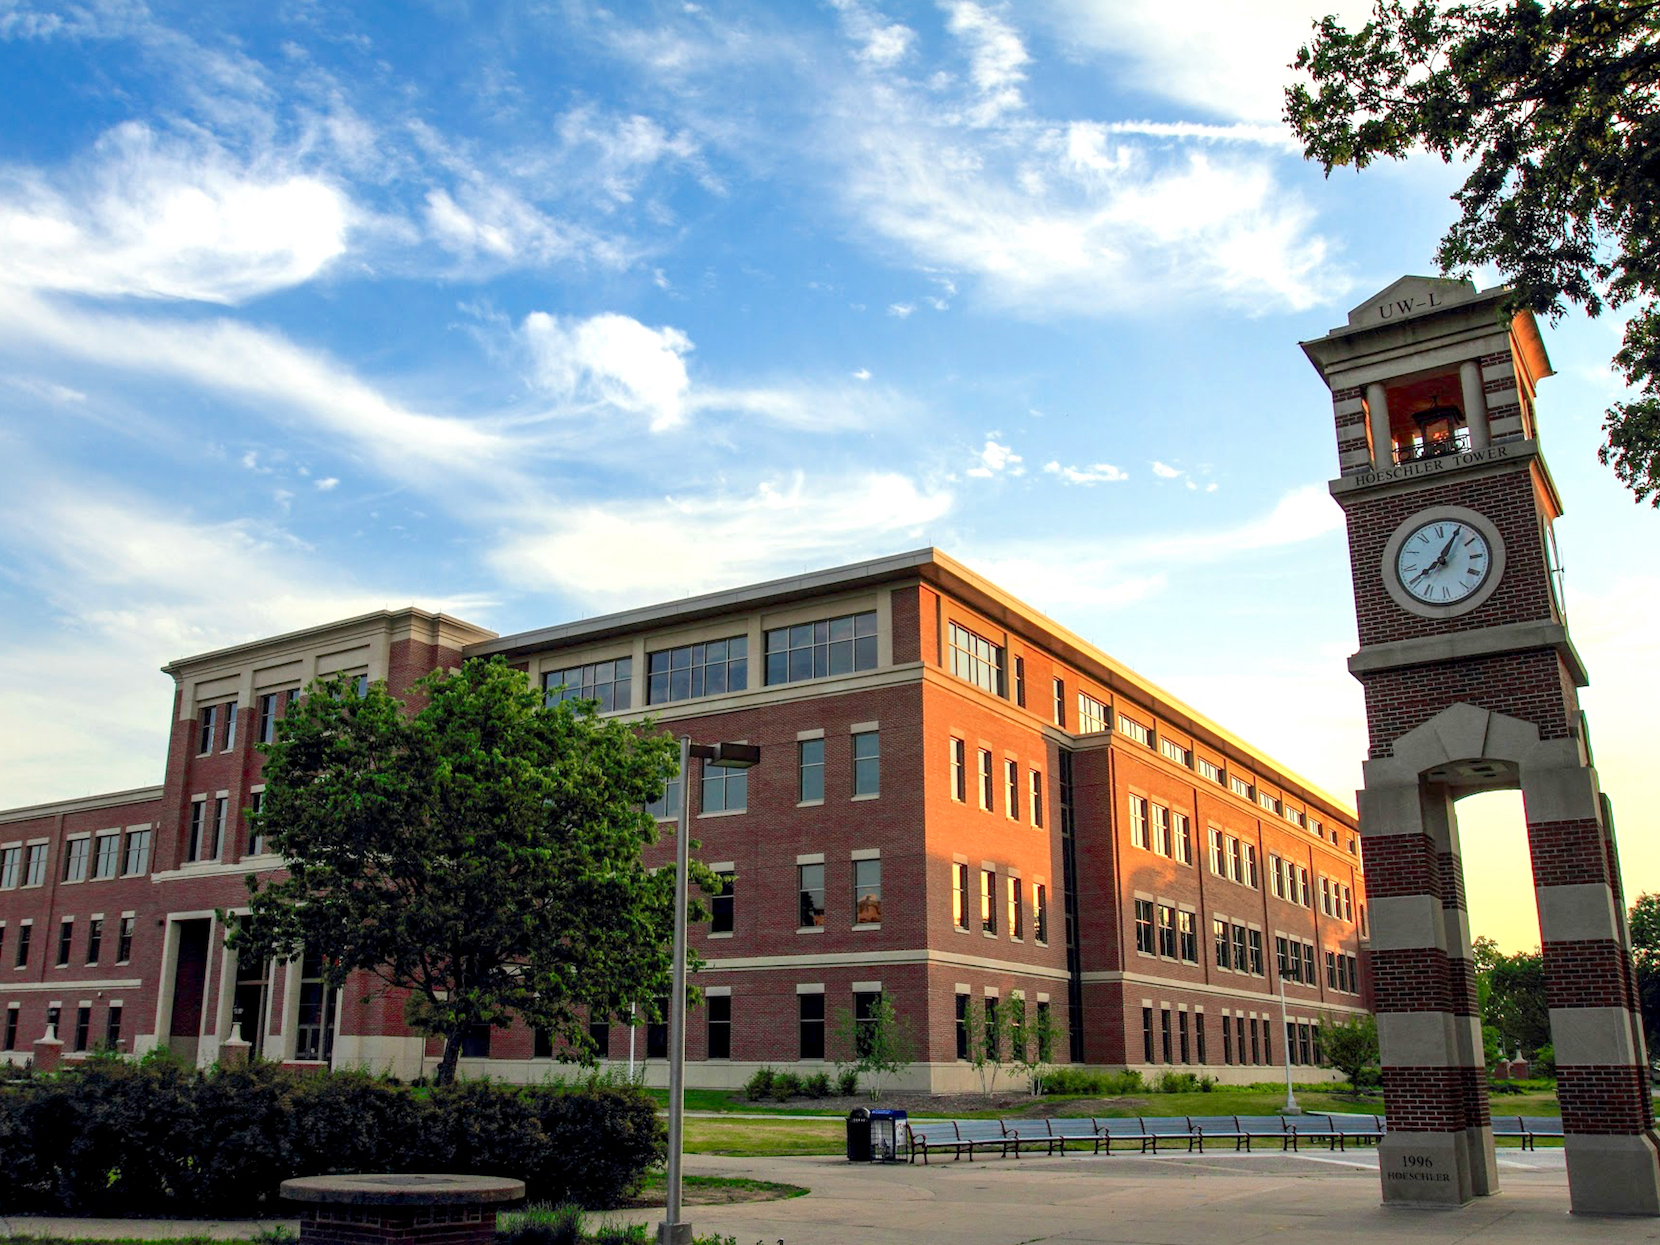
point(1596, 1027)
point(1475, 404)
point(1377, 406)
point(1438, 1147)
point(48, 1050)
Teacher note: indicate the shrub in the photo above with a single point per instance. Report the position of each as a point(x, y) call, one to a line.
point(1099, 1084)
point(817, 1085)
point(847, 1082)
point(622, 1234)
point(785, 1086)
point(565, 1224)
point(1177, 1083)
point(759, 1086)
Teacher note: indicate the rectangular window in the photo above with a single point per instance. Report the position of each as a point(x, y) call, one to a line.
point(1235, 871)
point(1308, 963)
point(1239, 786)
point(11, 867)
point(1181, 1034)
point(66, 936)
point(1138, 821)
point(867, 892)
point(1354, 974)
point(1060, 702)
point(1017, 908)
point(83, 1027)
point(94, 939)
point(1011, 789)
point(1187, 927)
point(76, 854)
point(198, 819)
point(1040, 914)
point(719, 1011)
point(1241, 953)
point(1249, 859)
point(810, 886)
point(976, 659)
point(268, 717)
point(1037, 799)
point(208, 727)
point(1161, 830)
point(810, 770)
point(1280, 959)
point(1208, 770)
point(864, 1021)
point(1216, 851)
point(867, 763)
point(720, 905)
point(959, 896)
point(610, 684)
point(35, 870)
point(106, 855)
point(810, 1025)
point(1092, 715)
point(24, 932)
point(1294, 816)
point(257, 846)
point(657, 1032)
point(1144, 927)
point(725, 790)
point(112, 1027)
point(1020, 681)
point(124, 942)
point(1181, 831)
point(1325, 894)
point(1199, 1034)
point(1219, 928)
point(668, 805)
point(962, 1026)
point(1239, 1035)
point(1174, 751)
point(986, 792)
point(1147, 1034)
point(1331, 970)
point(994, 1042)
point(712, 668)
point(230, 726)
point(219, 807)
point(1135, 730)
point(1268, 802)
point(1307, 1055)
point(814, 650)
point(1167, 931)
point(1256, 1049)
point(1276, 878)
point(988, 901)
point(1303, 894)
point(959, 766)
point(1256, 952)
point(1164, 1033)
point(1227, 1041)
point(137, 858)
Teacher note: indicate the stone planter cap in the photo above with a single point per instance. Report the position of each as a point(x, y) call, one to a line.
point(403, 1189)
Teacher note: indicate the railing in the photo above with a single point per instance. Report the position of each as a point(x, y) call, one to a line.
point(1412, 452)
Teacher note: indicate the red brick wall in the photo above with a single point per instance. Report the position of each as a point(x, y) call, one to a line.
point(1528, 685)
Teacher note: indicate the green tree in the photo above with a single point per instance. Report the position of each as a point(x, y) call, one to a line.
point(988, 1037)
point(1515, 1005)
point(1552, 109)
point(1032, 1045)
point(482, 852)
point(1645, 955)
point(1350, 1046)
point(882, 1043)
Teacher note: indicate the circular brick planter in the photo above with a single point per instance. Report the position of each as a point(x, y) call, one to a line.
point(400, 1209)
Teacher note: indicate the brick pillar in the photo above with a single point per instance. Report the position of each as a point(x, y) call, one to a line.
point(1596, 1027)
point(48, 1050)
point(1439, 1147)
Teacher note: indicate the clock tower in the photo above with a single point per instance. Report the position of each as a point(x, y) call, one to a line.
point(1471, 685)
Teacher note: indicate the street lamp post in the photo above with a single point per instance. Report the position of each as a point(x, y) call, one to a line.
point(673, 1230)
point(1291, 1107)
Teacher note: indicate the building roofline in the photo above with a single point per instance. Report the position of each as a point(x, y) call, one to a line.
point(287, 638)
point(82, 804)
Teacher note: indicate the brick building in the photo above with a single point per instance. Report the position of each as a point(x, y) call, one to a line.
point(956, 798)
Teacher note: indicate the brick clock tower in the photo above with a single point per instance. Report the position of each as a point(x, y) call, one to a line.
point(1472, 685)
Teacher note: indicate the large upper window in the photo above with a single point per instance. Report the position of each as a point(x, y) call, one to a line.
point(867, 763)
point(725, 790)
point(976, 659)
point(813, 650)
point(604, 681)
point(693, 670)
point(1092, 715)
point(867, 892)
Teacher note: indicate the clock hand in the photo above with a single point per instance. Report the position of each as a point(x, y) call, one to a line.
point(1441, 558)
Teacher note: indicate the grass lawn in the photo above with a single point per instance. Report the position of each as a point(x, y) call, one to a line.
point(752, 1136)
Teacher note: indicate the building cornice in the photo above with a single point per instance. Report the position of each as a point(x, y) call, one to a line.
point(408, 623)
point(84, 804)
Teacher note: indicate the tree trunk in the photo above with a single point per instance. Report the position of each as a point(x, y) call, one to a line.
point(452, 1054)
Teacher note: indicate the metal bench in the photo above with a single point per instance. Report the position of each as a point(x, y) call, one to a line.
point(1352, 1126)
point(1076, 1128)
point(1169, 1128)
point(925, 1136)
point(1510, 1126)
point(1314, 1128)
point(975, 1135)
point(1266, 1128)
point(1122, 1128)
point(1218, 1128)
point(1033, 1134)
point(1537, 1126)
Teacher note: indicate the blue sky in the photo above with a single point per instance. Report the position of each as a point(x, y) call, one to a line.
point(529, 312)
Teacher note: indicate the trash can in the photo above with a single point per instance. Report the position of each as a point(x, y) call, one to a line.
point(885, 1130)
point(858, 1135)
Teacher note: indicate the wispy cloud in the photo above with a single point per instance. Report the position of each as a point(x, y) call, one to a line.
point(1094, 473)
point(994, 459)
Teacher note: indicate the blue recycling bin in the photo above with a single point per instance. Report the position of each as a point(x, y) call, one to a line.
point(886, 1129)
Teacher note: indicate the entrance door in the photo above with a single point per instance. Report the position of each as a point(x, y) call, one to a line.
point(184, 1030)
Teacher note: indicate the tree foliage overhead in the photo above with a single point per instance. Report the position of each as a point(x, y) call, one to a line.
point(1351, 1046)
point(1645, 958)
point(482, 852)
point(1555, 108)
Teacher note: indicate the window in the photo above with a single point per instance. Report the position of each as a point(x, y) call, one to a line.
point(988, 901)
point(1181, 1033)
point(230, 725)
point(1308, 963)
point(962, 1026)
point(208, 725)
point(1354, 973)
point(1161, 830)
point(1208, 770)
point(959, 763)
point(1256, 952)
point(1144, 927)
point(124, 941)
point(608, 683)
point(867, 892)
point(1020, 681)
point(657, 1031)
point(1256, 1050)
point(1164, 1033)
point(1233, 859)
point(1280, 960)
point(864, 1021)
point(720, 905)
point(1060, 702)
point(1216, 851)
point(1268, 802)
point(1011, 789)
point(1147, 1034)
point(959, 895)
point(809, 1009)
point(1167, 931)
point(219, 806)
point(1187, 929)
point(1239, 786)
point(314, 1032)
point(11, 1028)
point(1331, 970)
point(719, 1012)
point(1174, 751)
point(1017, 909)
point(35, 870)
point(1199, 1033)
point(1220, 928)
point(1303, 892)
point(725, 790)
point(83, 1026)
point(94, 939)
point(813, 650)
point(668, 805)
point(986, 793)
point(24, 932)
point(1227, 1040)
point(976, 659)
point(1040, 914)
point(1037, 799)
point(810, 770)
point(541, 1041)
point(106, 854)
point(66, 936)
point(11, 867)
point(257, 846)
point(1354, 846)
point(994, 1043)
point(1276, 875)
point(599, 1033)
point(1135, 730)
point(76, 854)
point(1249, 859)
point(1348, 904)
point(693, 670)
point(1294, 816)
point(810, 886)
point(1092, 715)
point(1182, 834)
point(867, 763)
point(198, 816)
point(112, 1027)
point(1241, 952)
point(1138, 821)
point(138, 853)
point(267, 728)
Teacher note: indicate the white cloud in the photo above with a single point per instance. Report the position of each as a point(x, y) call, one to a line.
point(1165, 472)
point(996, 459)
point(881, 42)
point(997, 58)
point(901, 310)
point(1094, 473)
point(326, 484)
point(862, 374)
point(150, 217)
point(614, 360)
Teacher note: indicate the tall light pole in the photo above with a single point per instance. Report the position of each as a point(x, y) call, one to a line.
point(1291, 1107)
point(673, 1231)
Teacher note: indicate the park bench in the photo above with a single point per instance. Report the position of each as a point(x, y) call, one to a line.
point(1510, 1126)
point(1125, 1129)
point(1314, 1128)
point(1169, 1128)
point(1266, 1128)
point(1537, 1126)
point(1351, 1126)
point(1218, 1128)
point(1076, 1128)
point(1033, 1134)
point(958, 1136)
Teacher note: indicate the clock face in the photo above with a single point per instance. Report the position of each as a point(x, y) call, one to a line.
point(1444, 561)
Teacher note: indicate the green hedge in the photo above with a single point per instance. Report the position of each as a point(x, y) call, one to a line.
point(114, 1137)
